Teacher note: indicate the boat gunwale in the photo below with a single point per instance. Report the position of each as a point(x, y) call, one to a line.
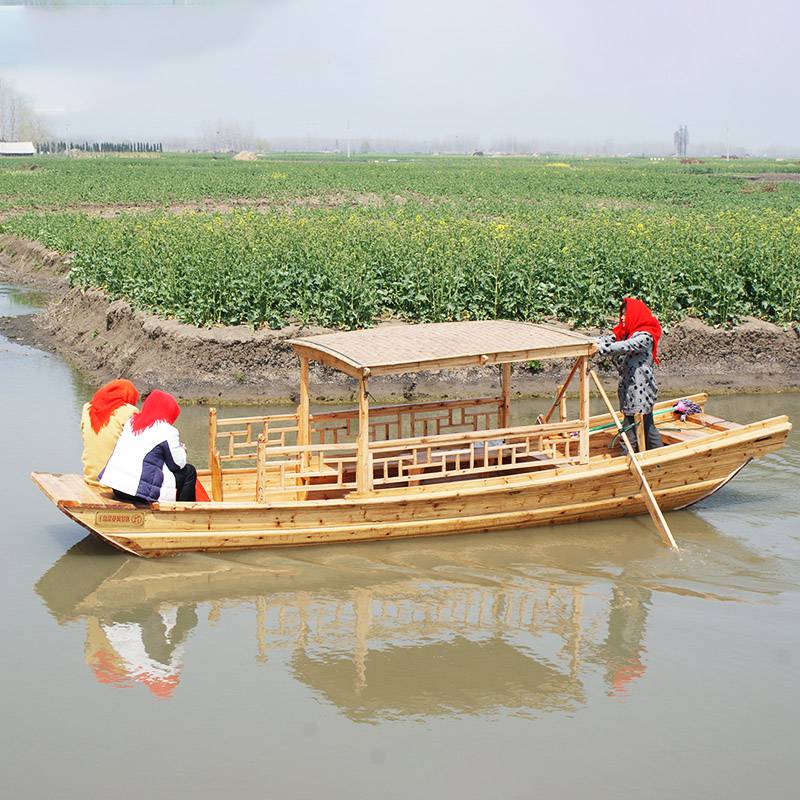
point(713, 483)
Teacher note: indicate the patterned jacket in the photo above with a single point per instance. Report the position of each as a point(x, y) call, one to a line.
point(634, 360)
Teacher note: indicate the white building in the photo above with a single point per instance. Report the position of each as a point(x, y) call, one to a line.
point(17, 149)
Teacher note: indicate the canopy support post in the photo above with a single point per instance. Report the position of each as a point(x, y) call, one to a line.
point(212, 434)
point(303, 406)
point(363, 456)
point(583, 409)
point(214, 463)
point(505, 405)
point(633, 463)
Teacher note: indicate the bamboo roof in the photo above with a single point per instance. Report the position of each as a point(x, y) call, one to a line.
point(392, 349)
point(461, 677)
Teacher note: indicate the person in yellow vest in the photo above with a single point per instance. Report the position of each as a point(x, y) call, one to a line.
point(102, 421)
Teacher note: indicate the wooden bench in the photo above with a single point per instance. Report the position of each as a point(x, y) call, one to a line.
point(70, 490)
point(697, 426)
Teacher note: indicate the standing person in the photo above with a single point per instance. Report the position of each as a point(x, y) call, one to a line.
point(102, 421)
point(634, 348)
point(149, 461)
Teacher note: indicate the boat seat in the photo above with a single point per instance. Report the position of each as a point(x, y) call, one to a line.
point(710, 421)
point(696, 426)
point(685, 435)
point(70, 490)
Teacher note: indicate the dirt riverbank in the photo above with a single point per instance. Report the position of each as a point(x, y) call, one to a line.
point(104, 338)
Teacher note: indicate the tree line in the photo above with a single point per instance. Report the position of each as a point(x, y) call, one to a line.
point(100, 147)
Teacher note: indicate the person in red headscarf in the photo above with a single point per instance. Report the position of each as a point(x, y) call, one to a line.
point(149, 461)
point(633, 345)
point(102, 421)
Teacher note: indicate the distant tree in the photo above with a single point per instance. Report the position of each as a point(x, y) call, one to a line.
point(681, 140)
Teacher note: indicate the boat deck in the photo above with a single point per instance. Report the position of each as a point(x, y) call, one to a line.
point(72, 491)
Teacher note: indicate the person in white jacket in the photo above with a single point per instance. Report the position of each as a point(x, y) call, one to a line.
point(149, 461)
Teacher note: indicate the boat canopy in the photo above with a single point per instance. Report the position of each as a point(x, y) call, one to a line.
point(393, 349)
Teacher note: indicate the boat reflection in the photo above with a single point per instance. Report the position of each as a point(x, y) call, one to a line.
point(437, 627)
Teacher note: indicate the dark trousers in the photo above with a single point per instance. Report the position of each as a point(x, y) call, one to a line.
point(652, 438)
point(185, 482)
point(186, 479)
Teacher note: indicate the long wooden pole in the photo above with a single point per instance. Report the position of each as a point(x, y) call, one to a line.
point(636, 468)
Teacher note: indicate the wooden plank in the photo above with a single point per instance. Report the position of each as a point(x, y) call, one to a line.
point(329, 360)
point(68, 490)
point(163, 543)
point(647, 492)
point(715, 423)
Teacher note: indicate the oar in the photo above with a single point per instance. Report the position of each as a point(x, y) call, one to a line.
point(647, 493)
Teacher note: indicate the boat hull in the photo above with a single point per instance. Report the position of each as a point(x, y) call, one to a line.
point(680, 475)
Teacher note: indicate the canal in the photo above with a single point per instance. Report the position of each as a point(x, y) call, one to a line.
point(580, 661)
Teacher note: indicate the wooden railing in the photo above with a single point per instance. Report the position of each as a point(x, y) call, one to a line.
point(236, 439)
point(486, 452)
point(409, 444)
point(298, 472)
point(409, 420)
point(295, 472)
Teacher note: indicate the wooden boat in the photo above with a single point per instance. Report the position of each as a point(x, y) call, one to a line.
point(426, 468)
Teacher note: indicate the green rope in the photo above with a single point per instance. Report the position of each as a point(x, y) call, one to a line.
point(625, 429)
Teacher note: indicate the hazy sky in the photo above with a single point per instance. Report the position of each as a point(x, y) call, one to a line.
point(572, 70)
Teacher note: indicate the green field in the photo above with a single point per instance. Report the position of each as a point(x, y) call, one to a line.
point(341, 243)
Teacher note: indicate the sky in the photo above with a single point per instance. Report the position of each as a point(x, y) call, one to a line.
point(625, 72)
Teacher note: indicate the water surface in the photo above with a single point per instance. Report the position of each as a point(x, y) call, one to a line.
point(581, 661)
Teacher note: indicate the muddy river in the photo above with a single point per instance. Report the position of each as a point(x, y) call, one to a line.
point(581, 661)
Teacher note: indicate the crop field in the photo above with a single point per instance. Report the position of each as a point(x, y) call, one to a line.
point(341, 243)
